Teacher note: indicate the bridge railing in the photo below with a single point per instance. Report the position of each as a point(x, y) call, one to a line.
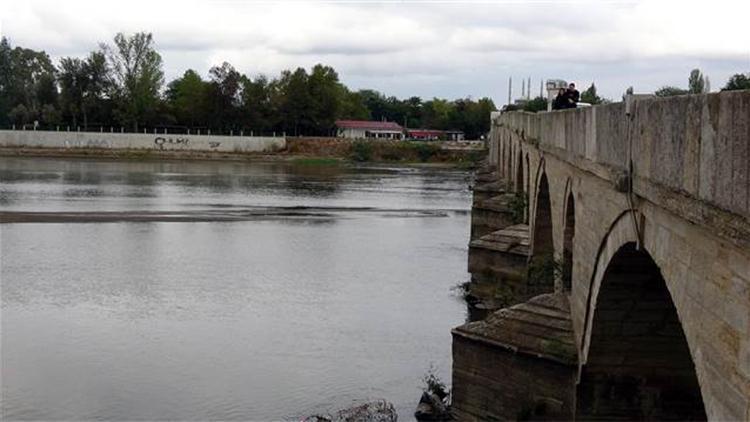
point(698, 145)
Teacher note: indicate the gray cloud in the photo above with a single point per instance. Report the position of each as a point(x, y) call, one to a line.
point(414, 48)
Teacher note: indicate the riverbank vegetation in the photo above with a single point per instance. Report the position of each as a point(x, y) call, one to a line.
point(122, 84)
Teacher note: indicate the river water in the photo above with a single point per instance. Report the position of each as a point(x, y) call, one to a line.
point(224, 290)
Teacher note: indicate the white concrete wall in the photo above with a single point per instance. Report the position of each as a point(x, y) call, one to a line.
point(150, 141)
point(352, 133)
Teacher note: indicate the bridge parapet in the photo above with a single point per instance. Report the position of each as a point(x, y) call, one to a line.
point(695, 145)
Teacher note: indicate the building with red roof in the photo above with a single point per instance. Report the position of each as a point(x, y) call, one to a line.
point(424, 134)
point(361, 129)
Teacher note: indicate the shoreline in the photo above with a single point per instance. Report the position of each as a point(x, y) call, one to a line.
point(180, 155)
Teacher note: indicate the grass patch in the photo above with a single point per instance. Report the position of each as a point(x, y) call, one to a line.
point(518, 205)
point(136, 154)
point(316, 161)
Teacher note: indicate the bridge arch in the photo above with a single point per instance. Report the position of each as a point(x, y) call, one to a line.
point(541, 269)
point(528, 175)
point(519, 188)
point(639, 365)
point(509, 162)
point(569, 221)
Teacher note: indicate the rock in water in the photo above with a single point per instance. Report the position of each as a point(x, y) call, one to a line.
point(432, 408)
point(375, 411)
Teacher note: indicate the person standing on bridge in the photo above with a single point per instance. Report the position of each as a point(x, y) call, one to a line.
point(573, 96)
point(561, 100)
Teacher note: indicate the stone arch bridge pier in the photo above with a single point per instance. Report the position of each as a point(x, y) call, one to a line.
point(610, 250)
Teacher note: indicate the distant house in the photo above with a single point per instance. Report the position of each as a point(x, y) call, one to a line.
point(360, 129)
point(424, 134)
point(454, 135)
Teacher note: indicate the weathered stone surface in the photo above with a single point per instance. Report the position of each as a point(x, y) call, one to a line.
point(498, 264)
point(489, 215)
point(689, 211)
point(519, 363)
point(540, 327)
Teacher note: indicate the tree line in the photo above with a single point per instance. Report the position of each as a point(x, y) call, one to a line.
point(122, 84)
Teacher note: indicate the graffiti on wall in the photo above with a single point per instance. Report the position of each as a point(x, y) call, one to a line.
point(91, 143)
point(161, 142)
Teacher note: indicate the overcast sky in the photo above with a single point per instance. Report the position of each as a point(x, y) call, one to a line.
point(403, 48)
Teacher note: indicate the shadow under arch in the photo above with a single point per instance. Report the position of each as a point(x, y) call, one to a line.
point(568, 239)
point(638, 365)
point(519, 188)
point(541, 269)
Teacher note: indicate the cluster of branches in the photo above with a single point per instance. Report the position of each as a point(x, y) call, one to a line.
point(122, 84)
point(699, 84)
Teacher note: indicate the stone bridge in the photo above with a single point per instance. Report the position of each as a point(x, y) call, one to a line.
point(611, 251)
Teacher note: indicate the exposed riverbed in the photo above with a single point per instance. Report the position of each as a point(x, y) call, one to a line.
point(224, 290)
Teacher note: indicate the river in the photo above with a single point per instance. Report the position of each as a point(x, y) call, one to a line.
point(167, 290)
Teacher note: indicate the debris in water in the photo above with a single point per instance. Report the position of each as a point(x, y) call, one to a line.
point(374, 411)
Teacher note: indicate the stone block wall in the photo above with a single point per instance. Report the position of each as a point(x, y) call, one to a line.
point(493, 383)
point(689, 211)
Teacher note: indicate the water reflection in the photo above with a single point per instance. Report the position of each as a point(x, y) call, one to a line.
point(344, 295)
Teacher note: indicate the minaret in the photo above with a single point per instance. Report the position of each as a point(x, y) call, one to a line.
point(510, 88)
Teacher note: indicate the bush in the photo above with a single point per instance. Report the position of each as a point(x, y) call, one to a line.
point(425, 151)
point(517, 206)
point(543, 270)
point(361, 151)
point(433, 384)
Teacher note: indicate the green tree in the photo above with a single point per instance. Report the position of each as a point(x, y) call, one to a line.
point(137, 77)
point(353, 106)
point(27, 78)
point(326, 98)
point(669, 91)
point(538, 104)
point(590, 96)
point(73, 82)
point(696, 82)
point(95, 99)
point(257, 105)
point(737, 82)
point(295, 102)
point(6, 80)
point(436, 114)
point(224, 97)
point(186, 97)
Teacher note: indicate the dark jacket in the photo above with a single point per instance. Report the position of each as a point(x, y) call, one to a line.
point(573, 96)
point(560, 102)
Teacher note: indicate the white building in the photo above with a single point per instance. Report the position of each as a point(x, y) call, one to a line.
point(364, 129)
